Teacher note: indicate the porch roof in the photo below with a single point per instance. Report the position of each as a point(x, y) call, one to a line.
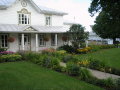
point(13, 28)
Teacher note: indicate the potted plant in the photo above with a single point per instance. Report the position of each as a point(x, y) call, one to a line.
point(64, 38)
point(11, 39)
point(46, 39)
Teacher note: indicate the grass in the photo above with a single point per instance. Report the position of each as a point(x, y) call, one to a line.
point(28, 76)
point(109, 56)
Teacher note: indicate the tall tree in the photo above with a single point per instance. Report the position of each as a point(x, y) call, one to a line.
point(105, 27)
point(77, 35)
point(108, 19)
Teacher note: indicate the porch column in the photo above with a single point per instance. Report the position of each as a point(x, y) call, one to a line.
point(56, 40)
point(36, 36)
point(23, 47)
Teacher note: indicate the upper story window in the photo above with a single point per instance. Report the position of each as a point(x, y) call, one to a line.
point(48, 20)
point(24, 17)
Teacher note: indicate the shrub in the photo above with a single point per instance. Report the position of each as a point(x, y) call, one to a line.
point(48, 51)
point(109, 83)
point(106, 83)
point(96, 64)
point(61, 52)
point(30, 56)
point(10, 58)
point(94, 48)
point(46, 62)
point(3, 49)
point(63, 69)
point(57, 68)
point(98, 47)
point(67, 58)
point(117, 82)
point(57, 55)
point(84, 74)
point(72, 69)
point(115, 71)
point(51, 62)
point(67, 48)
point(54, 53)
point(84, 50)
point(106, 46)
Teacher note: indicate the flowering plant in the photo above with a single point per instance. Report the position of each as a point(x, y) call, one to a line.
point(84, 63)
point(6, 52)
point(84, 50)
point(48, 50)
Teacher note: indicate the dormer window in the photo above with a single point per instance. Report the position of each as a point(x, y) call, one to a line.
point(48, 20)
point(24, 17)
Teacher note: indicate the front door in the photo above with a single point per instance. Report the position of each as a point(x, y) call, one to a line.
point(27, 43)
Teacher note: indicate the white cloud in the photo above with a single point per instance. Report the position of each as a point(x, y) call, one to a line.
point(75, 8)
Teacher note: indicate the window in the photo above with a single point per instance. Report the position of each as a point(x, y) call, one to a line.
point(48, 20)
point(52, 39)
point(4, 40)
point(41, 40)
point(24, 18)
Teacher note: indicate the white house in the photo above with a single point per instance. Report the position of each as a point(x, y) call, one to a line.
point(95, 39)
point(28, 24)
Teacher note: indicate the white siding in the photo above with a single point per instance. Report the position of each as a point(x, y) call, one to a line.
point(10, 16)
point(57, 20)
point(13, 46)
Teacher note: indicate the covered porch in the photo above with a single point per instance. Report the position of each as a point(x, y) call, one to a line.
point(29, 38)
point(37, 41)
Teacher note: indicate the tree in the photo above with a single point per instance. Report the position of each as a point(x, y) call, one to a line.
point(77, 35)
point(105, 27)
point(110, 6)
point(108, 19)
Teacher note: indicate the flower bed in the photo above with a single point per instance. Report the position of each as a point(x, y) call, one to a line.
point(84, 50)
point(10, 58)
point(6, 52)
point(73, 68)
point(98, 65)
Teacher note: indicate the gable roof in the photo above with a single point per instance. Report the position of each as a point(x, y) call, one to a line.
point(4, 4)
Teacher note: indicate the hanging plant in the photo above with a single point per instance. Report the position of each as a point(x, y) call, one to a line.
point(46, 39)
point(11, 39)
point(64, 38)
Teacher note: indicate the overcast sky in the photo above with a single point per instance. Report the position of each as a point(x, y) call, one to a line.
point(75, 8)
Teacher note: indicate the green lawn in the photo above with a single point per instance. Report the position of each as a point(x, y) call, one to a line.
point(28, 76)
point(110, 56)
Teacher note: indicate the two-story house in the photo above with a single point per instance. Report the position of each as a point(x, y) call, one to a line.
point(26, 26)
